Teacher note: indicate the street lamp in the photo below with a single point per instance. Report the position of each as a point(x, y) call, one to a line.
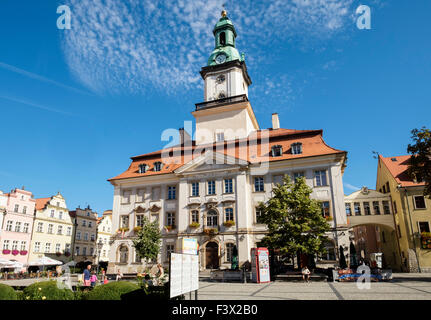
point(99, 248)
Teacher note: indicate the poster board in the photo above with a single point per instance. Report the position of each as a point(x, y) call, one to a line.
point(183, 274)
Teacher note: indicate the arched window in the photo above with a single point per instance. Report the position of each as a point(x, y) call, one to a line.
point(277, 151)
point(143, 168)
point(158, 166)
point(296, 148)
point(212, 218)
point(222, 39)
point(124, 254)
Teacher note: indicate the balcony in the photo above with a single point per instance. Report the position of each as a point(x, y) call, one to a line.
point(221, 102)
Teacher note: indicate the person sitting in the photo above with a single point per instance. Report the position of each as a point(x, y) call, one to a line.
point(306, 274)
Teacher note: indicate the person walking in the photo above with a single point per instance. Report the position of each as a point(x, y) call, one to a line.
point(306, 274)
point(87, 276)
point(93, 279)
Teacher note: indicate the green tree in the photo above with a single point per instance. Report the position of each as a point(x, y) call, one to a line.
point(147, 243)
point(295, 221)
point(420, 161)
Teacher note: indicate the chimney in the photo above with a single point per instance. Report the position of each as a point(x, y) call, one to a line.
point(275, 121)
point(184, 137)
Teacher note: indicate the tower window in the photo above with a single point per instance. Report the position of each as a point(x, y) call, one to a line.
point(221, 78)
point(223, 39)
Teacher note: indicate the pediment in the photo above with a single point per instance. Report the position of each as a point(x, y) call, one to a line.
point(212, 161)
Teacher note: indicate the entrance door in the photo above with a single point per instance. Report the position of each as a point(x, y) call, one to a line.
point(211, 255)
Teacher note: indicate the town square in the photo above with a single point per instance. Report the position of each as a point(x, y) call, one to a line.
point(223, 151)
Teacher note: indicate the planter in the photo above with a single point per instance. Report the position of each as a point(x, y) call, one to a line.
point(23, 252)
point(229, 223)
point(123, 230)
point(329, 218)
point(15, 252)
point(6, 251)
point(210, 231)
point(194, 225)
point(137, 229)
point(170, 228)
point(426, 240)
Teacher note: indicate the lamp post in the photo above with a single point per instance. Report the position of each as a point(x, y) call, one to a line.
point(99, 248)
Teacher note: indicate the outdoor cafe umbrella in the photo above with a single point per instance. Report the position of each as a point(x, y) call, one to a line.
point(4, 263)
point(45, 261)
point(343, 264)
point(353, 261)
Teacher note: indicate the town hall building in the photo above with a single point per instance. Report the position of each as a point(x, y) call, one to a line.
point(208, 188)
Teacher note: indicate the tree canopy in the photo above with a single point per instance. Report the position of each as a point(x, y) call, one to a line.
point(147, 243)
point(420, 160)
point(295, 221)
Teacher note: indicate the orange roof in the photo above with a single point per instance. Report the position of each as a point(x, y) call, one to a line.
point(398, 167)
point(312, 145)
point(41, 203)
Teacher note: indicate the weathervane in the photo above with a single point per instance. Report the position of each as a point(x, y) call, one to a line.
point(224, 12)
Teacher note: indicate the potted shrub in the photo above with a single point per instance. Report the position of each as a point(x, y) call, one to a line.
point(6, 251)
point(15, 252)
point(23, 252)
point(210, 231)
point(229, 223)
point(123, 229)
point(137, 229)
point(194, 225)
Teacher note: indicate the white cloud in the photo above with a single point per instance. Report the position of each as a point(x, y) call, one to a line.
point(124, 46)
point(351, 187)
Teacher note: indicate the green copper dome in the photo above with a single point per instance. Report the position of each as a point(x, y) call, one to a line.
point(225, 35)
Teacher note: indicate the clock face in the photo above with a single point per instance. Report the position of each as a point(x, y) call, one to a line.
point(220, 58)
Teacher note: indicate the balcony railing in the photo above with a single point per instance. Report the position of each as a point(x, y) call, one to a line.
point(221, 102)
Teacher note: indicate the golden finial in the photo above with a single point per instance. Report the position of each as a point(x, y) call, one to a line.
point(224, 13)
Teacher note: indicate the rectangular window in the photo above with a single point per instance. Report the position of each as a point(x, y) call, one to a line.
point(6, 245)
point(16, 208)
point(23, 245)
point(50, 227)
point(37, 247)
point(376, 207)
point(57, 248)
point(211, 187)
point(26, 227)
point(296, 148)
point(140, 197)
point(228, 214)
point(124, 222)
point(92, 237)
point(419, 202)
point(228, 186)
point(15, 245)
point(326, 209)
point(195, 216)
point(424, 227)
point(84, 251)
point(84, 223)
point(229, 252)
point(320, 177)
point(297, 175)
point(258, 215)
point(169, 249)
point(9, 225)
point(24, 210)
point(386, 208)
point(91, 251)
point(395, 207)
point(357, 206)
point(195, 189)
point(172, 193)
point(47, 248)
point(348, 209)
point(220, 136)
point(69, 231)
point(140, 220)
point(155, 193)
point(52, 213)
point(86, 236)
point(387, 187)
point(170, 218)
point(259, 184)
point(90, 224)
point(67, 247)
point(126, 196)
point(78, 235)
point(60, 230)
point(367, 209)
point(60, 215)
point(39, 227)
point(77, 251)
point(18, 226)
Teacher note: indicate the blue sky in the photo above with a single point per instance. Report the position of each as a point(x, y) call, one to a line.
point(76, 104)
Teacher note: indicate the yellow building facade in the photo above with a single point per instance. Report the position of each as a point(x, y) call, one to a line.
point(52, 230)
point(412, 212)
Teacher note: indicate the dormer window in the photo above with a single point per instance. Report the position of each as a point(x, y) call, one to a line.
point(143, 168)
point(277, 151)
point(296, 148)
point(158, 166)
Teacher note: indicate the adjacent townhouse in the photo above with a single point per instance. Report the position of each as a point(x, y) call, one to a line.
point(85, 234)
point(104, 233)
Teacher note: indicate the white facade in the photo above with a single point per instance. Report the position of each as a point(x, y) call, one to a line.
point(225, 83)
point(3, 204)
point(104, 233)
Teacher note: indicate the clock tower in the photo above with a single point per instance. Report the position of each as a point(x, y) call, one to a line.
point(226, 113)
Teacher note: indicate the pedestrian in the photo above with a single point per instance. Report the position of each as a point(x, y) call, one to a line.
point(87, 276)
point(119, 275)
point(93, 279)
point(306, 274)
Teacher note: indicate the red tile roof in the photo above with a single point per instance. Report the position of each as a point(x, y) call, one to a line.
point(398, 169)
point(41, 203)
point(312, 145)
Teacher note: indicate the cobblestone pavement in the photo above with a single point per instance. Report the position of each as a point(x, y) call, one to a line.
point(402, 287)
